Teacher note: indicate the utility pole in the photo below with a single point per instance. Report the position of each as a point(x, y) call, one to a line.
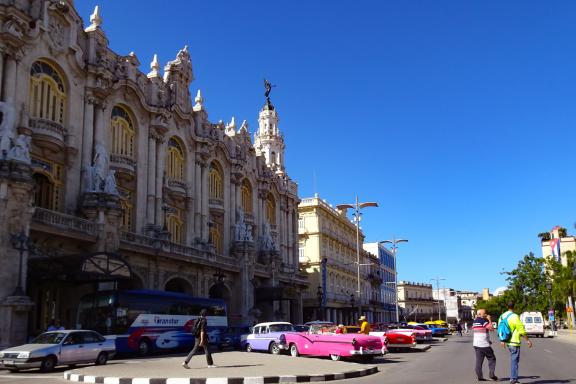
point(437, 279)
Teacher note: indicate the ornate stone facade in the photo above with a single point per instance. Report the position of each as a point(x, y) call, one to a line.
point(123, 165)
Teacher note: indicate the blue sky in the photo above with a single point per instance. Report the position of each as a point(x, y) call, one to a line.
point(457, 117)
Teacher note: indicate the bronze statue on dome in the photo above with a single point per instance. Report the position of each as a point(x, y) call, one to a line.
point(268, 88)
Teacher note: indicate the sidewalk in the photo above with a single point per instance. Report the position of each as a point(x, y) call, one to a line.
point(565, 336)
point(232, 367)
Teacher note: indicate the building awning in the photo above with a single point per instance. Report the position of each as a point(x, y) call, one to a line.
point(275, 293)
point(92, 267)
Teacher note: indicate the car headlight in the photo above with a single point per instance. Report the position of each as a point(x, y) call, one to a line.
point(23, 355)
point(1, 354)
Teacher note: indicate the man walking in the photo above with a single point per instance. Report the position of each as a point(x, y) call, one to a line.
point(518, 331)
point(200, 340)
point(481, 328)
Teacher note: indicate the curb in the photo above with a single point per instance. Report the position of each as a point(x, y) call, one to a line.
point(69, 375)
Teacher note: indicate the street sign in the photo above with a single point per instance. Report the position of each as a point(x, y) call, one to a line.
point(569, 309)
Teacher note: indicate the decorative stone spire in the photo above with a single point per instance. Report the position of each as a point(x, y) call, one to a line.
point(243, 127)
point(199, 102)
point(231, 127)
point(95, 20)
point(268, 141)
point(154, 68)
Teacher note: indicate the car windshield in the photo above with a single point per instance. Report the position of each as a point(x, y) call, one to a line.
point(281, 328)
point(49, 338)
point(301, 328)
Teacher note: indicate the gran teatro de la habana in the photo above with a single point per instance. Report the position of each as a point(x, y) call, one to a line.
point(116, 179)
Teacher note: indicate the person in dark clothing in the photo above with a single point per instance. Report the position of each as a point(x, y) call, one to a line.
point(459, 328)
point(200, 340)
point(481, 328)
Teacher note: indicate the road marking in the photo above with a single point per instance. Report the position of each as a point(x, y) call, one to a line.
point(546, 350)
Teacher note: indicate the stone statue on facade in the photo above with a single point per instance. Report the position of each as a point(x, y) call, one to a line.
point(110, 183)
point(266, 241)
point(243, 231)
point(21, 149)
point(99, 178)
point(268, 88)
point(7, 118)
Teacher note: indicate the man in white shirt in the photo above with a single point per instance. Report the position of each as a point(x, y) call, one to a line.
point(481, 328)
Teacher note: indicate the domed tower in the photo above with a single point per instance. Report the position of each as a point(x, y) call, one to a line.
point(268, 141)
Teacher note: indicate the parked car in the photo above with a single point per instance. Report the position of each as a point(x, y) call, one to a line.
point(231, 337)
point(397, 340)
point(55, 348)
point(265, 337)
point(324, 341)
point(422, 334)
point(437, 331)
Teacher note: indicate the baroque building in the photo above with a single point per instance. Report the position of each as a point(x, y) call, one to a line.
point(327, 252)
point(111, 178)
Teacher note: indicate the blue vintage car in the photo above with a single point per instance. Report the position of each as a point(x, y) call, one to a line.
point(266, 337)
point(437, 331)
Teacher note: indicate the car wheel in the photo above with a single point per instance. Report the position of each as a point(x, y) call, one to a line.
point(249, 348)
point(294, 350)
point(144, 347)
point(13, 370)
point(102, 358)
point(335, 357)
point(48, 364)
point(274, 349)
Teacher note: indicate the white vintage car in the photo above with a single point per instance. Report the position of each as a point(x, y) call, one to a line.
point(66, 347)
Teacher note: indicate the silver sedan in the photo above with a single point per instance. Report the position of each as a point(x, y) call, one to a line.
point(51, 349)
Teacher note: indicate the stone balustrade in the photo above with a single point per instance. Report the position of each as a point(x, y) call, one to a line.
point(64, 221)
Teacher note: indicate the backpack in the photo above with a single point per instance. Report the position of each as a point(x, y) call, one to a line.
point(504, 331)
point(197, 327)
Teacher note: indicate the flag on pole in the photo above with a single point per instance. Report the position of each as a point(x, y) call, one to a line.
point(555, 247)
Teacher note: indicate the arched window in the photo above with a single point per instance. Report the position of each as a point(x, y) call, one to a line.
point(122, 133)
point(216, 187)
point(246, 196)
point(43, 192)
point(175, 160)
point(216, 237)
point(47, 93)
point(175, 225)
point(271, 210)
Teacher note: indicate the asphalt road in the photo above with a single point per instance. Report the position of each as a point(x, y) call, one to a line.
point(550, 361)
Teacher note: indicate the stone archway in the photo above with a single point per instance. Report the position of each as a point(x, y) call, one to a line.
point(219, 291)
point(178, 284)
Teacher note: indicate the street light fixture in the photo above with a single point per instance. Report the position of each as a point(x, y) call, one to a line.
point(394, 243)
point(357, 206)
point(437, 279)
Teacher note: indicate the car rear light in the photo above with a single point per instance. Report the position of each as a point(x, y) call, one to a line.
point(282, 339)
point(413, 339)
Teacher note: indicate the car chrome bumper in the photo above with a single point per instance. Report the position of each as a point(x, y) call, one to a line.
point(412, 345)
point(19, 363)
point(363, 352)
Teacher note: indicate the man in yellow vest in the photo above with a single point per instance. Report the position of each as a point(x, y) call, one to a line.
point(513, 344)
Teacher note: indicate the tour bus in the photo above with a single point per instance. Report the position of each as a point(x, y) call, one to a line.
point(533, 322)
point(143, 321)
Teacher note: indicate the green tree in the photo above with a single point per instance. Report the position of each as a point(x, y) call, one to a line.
point(527, 284)
point(563, 280)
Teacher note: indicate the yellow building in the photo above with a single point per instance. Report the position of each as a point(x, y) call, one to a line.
point(327, 252)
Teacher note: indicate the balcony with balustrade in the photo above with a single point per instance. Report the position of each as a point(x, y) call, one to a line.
point(61, 224)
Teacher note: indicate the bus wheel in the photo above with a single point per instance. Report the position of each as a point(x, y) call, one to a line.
point(144, 347)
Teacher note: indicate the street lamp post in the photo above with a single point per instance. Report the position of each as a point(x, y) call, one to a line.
point(394, 243)
point(357, 216)
point(551, 317)
point(437, 279)
point(21, 243)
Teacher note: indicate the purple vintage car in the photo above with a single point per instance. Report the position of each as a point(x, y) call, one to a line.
point(323, 341)
point(266, 337)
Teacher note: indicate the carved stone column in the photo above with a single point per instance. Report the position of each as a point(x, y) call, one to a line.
point(198, 197)
point(151, 185)
point(244, 252)
point(205, 200)
point(87, 138)
point(16, 192)
point(1, 70)
point(100, 124)
point(160, 160)
point(10, 79)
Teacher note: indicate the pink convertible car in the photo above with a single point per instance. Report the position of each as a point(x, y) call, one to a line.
point(323, 341)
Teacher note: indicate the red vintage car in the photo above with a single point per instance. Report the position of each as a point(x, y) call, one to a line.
point(396, 340)
point(324, 341)
point(422, 334)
